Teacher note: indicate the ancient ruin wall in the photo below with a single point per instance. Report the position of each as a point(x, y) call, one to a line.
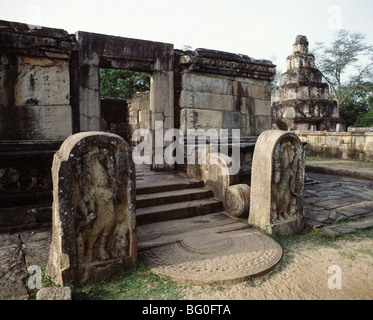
point(34, 82)
point(342, 145)
point(220, 90)
point(139, 111)
point(50, 89)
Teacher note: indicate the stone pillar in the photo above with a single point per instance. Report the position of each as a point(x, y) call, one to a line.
point(162, 110)
point(89, 93)
point(276, 198)
point(93, 214)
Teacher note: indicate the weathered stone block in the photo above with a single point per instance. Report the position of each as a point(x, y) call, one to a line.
point(42, 85)
point(245, 105)
point(248, 90)
point(262, 108)
point(93, 215)
point(201, 83)
point(35, 122)
point(204, 100)
point(234, 120)
point(260, 124)
point(333, 141)
point(204, 119)
point(56, 293)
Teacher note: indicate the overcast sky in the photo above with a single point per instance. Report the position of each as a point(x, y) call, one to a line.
point(261, 29)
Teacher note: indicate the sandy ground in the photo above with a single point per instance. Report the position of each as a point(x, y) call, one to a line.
point(303, 274)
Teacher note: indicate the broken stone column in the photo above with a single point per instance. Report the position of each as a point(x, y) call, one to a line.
point(93, 222)
point(276, 198)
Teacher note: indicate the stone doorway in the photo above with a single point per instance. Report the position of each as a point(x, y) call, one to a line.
point(97, 51)
point(125, 103)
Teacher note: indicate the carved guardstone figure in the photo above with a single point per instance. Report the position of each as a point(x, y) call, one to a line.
point(93, 232)
point(277, 181)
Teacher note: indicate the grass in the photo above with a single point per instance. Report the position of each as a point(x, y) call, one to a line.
point(138, 284)
point(315, 238)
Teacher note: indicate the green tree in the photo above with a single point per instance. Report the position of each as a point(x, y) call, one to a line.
point(341, 64)
point(365, 120)
point(118, 83)
point(357, 108)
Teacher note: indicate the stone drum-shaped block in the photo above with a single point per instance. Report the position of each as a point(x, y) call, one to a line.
point(93, 232)
point(277, 181)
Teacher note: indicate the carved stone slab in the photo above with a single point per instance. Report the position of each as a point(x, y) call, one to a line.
point(276, 199)
point(93, 232)
point(209, 249)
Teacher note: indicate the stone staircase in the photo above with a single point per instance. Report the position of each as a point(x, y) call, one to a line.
point(171, 200)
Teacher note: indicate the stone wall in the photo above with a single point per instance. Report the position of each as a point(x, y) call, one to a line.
point(139, 111)
point(114, 117)
point(34, 82)
point(220, 90)
point(49, 84)
point(343, 145)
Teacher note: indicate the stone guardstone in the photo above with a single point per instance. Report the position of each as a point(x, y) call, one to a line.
point(277, 181)
point(93, 219)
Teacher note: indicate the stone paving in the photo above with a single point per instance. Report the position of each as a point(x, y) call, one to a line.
point(336, 204)
point(333, 204)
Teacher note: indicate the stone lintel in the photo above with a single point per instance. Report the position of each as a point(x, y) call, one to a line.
point(225, 63)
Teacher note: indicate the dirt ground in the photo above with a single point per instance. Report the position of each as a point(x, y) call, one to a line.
point(303, 274)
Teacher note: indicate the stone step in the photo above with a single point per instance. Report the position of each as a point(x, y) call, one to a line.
point(167, 197)
point(179, 210)
point(164, 186)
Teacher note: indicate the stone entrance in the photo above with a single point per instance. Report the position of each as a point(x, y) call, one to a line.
point(183, 232)
point(97, 51)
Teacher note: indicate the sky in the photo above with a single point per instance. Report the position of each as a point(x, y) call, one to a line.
point(260, 29)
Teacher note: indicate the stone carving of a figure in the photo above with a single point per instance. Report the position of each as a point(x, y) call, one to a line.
point(96, 203)
point(284, 195)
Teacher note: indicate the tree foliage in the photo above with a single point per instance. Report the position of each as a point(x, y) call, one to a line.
point(357, 108)
point(118, 83)
point(346, 65)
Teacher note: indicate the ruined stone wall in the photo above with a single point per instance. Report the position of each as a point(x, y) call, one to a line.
point(220, 90)
point(139, 111)
point(114, 117)
point(34, 82)
point(343, 145)
point(49, 84)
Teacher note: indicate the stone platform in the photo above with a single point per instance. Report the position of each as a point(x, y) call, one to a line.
point(207, 249)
